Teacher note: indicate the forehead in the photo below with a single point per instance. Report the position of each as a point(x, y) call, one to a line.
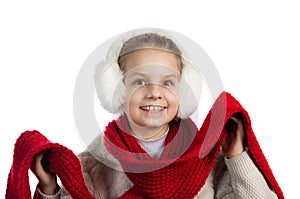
point(152, 71)
point(152, 57)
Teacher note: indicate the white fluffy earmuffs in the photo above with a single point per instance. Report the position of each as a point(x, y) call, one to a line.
point(111, 89)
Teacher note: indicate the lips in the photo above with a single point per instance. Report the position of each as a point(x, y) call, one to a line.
point(153, 108)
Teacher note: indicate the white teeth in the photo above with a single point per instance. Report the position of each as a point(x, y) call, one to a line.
point(153, 108)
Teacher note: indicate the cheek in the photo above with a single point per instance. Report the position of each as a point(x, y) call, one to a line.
point(133, 98)
point(175, 102)
point(172, 98)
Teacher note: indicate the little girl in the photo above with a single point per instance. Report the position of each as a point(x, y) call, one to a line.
point(148, 151)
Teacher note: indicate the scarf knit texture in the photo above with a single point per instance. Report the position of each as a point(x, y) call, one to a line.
point(187, 160)
point(64, 162)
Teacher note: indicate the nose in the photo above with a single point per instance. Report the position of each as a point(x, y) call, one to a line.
point(154, 91)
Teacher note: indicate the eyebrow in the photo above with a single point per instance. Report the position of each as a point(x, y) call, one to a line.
point(172, 75)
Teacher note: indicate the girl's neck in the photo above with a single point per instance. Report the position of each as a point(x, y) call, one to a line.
point(149, 133)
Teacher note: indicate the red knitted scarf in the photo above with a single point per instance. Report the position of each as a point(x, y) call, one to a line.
point(64, 162)
point(187, 159)
point(188, 156)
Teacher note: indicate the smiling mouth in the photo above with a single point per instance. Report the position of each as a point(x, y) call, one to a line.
point(153, 108)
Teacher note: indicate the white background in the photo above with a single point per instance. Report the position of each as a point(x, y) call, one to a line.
point(255, 46)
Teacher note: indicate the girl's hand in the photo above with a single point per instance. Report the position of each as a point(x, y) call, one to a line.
point(234, 145)
point(42, 169)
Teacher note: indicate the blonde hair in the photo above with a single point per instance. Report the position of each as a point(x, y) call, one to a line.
point(149, 41)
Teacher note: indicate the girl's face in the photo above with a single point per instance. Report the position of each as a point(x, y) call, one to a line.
point(151, 78)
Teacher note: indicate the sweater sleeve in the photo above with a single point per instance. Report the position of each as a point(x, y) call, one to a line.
point(39, 195)
point(247, 181)
point(61, 194)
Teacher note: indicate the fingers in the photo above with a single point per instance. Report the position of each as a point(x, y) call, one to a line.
point(45, 162)
point(231, 126)
point(238, 121)
point(41, 166)
point(234, 142)
point(239, 131)
point(36, 162)
point(234, 119)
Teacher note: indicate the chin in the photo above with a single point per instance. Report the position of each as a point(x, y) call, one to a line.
point(158, 122)
point(152, 123)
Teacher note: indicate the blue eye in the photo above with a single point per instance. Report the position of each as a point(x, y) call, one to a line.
point(168, 83)
point(140, 82)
